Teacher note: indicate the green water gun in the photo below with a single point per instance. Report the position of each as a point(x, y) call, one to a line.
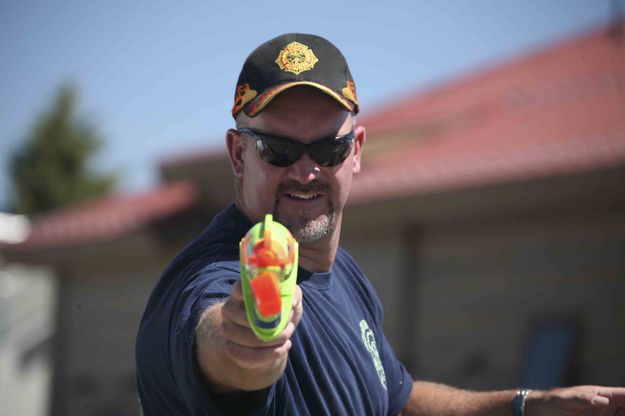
point(269, 256)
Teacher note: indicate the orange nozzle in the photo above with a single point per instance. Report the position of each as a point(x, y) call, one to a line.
point(266, 290)
point(266, 258)
point(267, 253)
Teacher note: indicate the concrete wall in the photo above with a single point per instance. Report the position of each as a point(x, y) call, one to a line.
point(27, 305)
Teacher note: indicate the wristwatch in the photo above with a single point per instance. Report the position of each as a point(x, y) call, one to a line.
point(518, 403)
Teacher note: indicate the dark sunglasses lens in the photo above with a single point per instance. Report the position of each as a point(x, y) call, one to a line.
point(328, 153)
point(278, 152)
point(282, 152)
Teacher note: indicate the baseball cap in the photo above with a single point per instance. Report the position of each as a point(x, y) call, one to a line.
point(290, 60)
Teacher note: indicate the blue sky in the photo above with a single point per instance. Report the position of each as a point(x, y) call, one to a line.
point(156, 78)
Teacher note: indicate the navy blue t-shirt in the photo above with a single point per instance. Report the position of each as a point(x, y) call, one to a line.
point(340, 362)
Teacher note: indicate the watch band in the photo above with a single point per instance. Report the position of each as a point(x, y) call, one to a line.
point(518, 403)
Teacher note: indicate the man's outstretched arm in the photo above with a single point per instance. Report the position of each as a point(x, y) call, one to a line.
point(437, 400)
point(229, 354)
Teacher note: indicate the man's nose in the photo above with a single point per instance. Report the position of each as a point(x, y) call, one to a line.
point(304, 170)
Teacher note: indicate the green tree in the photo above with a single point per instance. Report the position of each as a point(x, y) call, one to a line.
point(51, 169)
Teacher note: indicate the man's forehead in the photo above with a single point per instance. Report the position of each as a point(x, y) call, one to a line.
point(301, 105)
point(300, 114)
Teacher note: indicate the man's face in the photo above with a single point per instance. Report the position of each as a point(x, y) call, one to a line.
point(305, 196)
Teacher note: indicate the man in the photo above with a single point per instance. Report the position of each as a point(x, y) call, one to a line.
point(293, 154)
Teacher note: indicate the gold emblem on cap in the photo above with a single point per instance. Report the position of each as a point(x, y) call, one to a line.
point(296, 57)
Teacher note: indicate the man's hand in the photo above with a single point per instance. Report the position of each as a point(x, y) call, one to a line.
point(242, 346)
point(578, 401)
point(230, 355)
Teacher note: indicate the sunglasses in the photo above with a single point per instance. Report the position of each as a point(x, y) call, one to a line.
point(283, 152)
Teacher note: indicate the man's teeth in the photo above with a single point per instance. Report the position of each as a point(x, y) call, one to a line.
point(303, 196)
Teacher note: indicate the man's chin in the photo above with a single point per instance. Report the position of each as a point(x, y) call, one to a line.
point(309, 230)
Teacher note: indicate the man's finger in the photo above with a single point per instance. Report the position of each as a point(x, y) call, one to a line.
point(237, 291)
point(251, 358)
point(234, 310)
point(615, 394)
point(244, 336)
point(298, 306)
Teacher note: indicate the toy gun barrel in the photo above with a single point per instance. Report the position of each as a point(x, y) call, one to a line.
point(268, 276)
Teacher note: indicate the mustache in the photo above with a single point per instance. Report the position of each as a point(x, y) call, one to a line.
point(315, 186)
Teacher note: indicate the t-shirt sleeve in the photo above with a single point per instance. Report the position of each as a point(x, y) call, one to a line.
point(211, 285)
point(398, 380)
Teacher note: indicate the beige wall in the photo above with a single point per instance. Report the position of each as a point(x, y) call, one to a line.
point(101, 318)
point(482, 283)
point(481, 288)
point(102, 294)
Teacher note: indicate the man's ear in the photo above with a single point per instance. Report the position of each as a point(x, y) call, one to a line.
point(359, 142)
point(235, 147)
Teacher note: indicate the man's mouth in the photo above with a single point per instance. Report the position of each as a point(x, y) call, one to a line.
point(296, 192)
point(302, 196)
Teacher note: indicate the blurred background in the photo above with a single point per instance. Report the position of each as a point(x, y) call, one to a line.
point(490, 213)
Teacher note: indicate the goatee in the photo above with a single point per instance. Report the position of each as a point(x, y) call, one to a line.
point(306, 228)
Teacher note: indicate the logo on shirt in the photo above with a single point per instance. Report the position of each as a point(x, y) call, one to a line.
point(369, 340)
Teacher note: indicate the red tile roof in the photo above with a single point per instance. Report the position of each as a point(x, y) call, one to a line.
point(560, 111)
point(109, 217)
